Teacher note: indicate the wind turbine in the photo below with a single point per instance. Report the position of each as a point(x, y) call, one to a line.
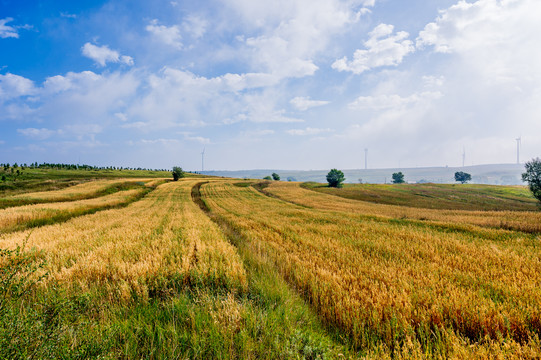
point(203, 160)
point(519, 142)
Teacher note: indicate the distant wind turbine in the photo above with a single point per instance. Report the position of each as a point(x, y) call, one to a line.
point(203, 160)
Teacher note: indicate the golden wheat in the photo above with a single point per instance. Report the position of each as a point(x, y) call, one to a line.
point(527, 221)
point(386, 282)
point(162, 238)
point(13, 216)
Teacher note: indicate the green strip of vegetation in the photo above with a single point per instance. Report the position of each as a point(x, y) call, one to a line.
point(63, 216)
point(13, 202)
point(436, 196)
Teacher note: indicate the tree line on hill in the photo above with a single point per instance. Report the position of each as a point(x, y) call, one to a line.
point(532, 176)
point(59, 166)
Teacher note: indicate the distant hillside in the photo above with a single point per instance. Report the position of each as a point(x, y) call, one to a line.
point(497, 174)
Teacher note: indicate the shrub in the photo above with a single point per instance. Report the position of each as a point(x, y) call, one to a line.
point(533, 177)
point(462, 177)
point(335, 178)
point(275, 176)
point(398, 178)
point(177, 173)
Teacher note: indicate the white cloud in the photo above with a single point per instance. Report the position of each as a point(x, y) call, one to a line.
point(384, 102)
point(102, 55)
point(13, 86)
point(121, 116)
point(257, 133)
point(195, 25)
point(161, 141)
point(68, 15)
point(168, 35)
point(307, 131)
point(382, 49)
point(7, 31)
point(304, 102)
point(290, 34)
point(40, 134)
point(199, 139)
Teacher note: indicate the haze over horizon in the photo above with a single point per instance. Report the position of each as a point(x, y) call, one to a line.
point(288, 84)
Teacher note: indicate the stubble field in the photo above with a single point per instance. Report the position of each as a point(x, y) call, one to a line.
point(221, 268)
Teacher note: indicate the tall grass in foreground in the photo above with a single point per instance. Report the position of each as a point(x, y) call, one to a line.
point(397, 287)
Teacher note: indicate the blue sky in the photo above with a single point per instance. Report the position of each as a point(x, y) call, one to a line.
point(287, 84)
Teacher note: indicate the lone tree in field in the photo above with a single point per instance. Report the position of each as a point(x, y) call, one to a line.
point(533, 177)
point(398, 178)
point(177, 173)
point(462, 177)
point(335, 178)
point(275, 176)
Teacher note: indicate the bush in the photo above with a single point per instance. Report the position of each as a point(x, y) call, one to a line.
point(177, 173)
point(398, 178)
point(462, 177)
point(275, 176)
point(335, 178)
point(533, 177)
point(267, 178)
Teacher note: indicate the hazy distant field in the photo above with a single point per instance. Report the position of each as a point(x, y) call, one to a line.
point(222, 268)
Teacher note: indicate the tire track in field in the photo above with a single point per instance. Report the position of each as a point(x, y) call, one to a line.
point(261, 270)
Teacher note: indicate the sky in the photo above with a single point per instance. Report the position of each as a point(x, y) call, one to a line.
point(283, 84)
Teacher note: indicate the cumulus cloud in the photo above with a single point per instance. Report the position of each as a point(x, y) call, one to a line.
point(292, 33)
point(304, 102)
point(169, 35)
point(103, 54)
point(382, 49)
point(13, 86)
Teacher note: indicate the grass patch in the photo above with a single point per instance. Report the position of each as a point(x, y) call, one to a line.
point(437, 196)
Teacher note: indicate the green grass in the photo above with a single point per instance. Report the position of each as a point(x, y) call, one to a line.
point(32, 180)
point(437, 196)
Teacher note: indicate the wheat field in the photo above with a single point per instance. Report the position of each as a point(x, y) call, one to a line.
point(280, 271)
point(162, 236)
point(393, 283)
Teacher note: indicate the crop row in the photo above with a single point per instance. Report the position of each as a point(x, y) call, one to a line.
point(159, 241)
point(392, 282)
point(526, 221)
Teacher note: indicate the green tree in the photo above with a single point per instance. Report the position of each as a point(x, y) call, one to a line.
point(335, 178)
point(177, 173)
point(533, 177)
point(398, 178)
point(462, 177)
point(275, 176)
point(267, 178)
